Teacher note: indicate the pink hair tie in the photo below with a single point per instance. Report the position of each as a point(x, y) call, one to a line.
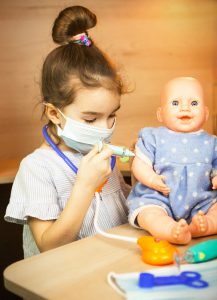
point(81, 39)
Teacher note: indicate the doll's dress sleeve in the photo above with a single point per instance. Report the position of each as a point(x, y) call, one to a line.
point(142, 196)
point(146, 144)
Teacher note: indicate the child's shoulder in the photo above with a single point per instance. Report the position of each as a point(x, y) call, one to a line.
point(39, 155)
point(40, 158)
point(44, 158)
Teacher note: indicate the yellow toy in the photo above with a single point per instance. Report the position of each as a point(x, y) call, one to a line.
point(156, 252)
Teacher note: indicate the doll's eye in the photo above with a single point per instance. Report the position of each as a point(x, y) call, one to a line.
point(194, 103)
point(175, 102)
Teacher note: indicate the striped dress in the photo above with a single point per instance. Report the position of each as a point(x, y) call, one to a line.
point(43, 186)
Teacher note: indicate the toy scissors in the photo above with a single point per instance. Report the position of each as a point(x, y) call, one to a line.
point(189, 278)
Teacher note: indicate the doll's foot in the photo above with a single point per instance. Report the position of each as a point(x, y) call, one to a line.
point(181, 233)
point(199, 225)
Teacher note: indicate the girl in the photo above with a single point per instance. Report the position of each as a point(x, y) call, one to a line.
point(81, 93)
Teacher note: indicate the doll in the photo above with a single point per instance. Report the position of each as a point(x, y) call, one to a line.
point(176, 168)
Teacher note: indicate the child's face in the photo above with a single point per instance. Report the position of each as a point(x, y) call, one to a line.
point(96, 107)
point(182, 105)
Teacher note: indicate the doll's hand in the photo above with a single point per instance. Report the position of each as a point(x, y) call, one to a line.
point(157, 183)
point(214, 183)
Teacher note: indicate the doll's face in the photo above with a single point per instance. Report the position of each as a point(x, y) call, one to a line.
point(182, 105)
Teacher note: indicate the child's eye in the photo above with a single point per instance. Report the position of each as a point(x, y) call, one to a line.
point(194, 103)
point(175, 102)
point(90, 121)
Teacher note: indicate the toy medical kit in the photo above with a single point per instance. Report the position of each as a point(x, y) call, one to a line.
point(201, 252)
point(189, 278)
point(127, 284)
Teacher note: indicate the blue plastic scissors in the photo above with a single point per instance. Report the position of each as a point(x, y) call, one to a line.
point(189, 278)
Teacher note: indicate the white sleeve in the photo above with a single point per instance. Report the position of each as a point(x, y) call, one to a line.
point(33, 193)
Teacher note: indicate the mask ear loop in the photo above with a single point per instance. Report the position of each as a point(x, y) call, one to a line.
point(62, 114)
point(111, 281)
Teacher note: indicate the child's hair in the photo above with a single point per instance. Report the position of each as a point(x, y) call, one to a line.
point(73, 66)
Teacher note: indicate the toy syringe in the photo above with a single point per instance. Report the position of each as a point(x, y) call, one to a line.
point(201, 252)
point(117, 150)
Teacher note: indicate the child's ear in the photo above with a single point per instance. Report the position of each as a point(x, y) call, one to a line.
point(53, 114)
point(159, 116)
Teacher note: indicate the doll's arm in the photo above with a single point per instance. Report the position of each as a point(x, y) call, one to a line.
point(145, 174)
point(214, 182)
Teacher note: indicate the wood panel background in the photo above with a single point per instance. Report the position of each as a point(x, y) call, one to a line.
point(151, 40)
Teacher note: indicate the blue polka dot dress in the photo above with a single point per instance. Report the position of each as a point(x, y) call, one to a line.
point(187, 160)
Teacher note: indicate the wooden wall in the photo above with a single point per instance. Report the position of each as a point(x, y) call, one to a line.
point(151, 40)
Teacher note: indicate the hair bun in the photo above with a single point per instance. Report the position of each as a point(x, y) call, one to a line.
point(72, 21)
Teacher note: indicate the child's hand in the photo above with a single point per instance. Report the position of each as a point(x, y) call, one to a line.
point(157, 183)
point(95, 168)
point(214, 183)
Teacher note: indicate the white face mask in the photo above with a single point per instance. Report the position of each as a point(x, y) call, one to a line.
point(83, 137)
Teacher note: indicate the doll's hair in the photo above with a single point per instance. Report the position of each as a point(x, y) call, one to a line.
point(73, 66)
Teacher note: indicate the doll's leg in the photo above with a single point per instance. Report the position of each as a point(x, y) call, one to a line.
point(204, 224)
point(155, 220)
